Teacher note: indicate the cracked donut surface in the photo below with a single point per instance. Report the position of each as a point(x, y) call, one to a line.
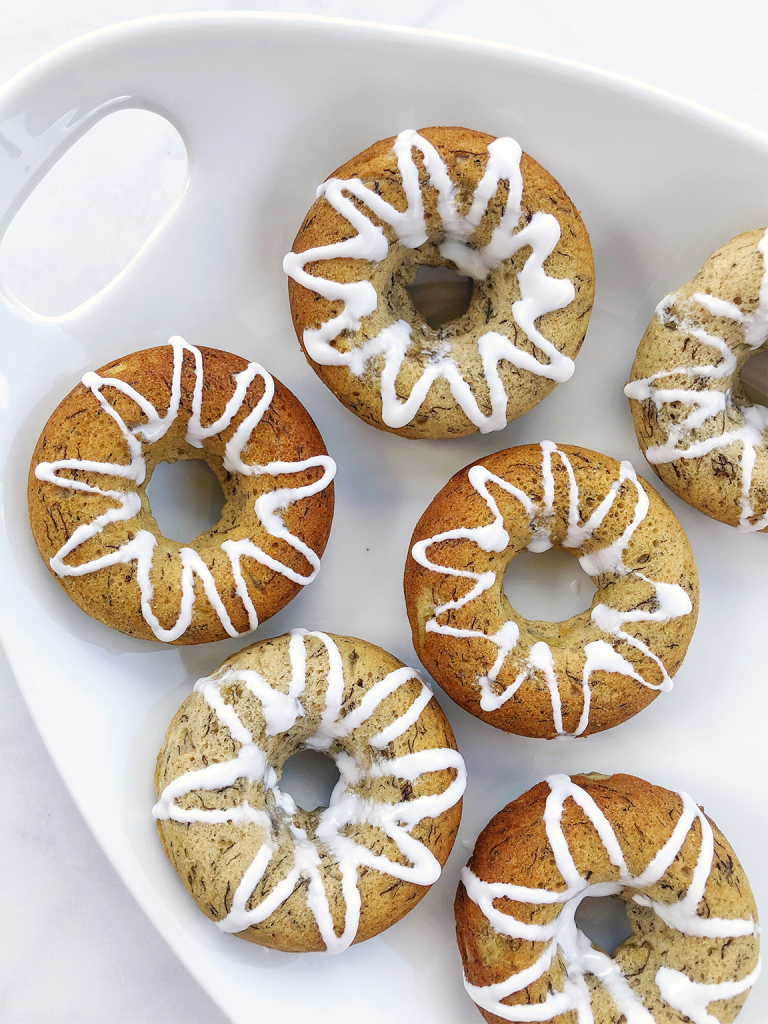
point(694, 950)
point(460, 199)
point(551, 679)
point(309, 879)
point(93, 524)
point(694, 418)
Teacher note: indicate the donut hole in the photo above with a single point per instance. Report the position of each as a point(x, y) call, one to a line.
point(309, 778)
point(754, 378)
point(548, 586)
point(186, 498)
point(440, 294)
point(604, 921)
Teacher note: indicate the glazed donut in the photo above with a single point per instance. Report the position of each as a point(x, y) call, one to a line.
point(92, 522)
point(441, 197)
point(551, 679)
point(694, 920)
point(272, 872)
point(694, 421)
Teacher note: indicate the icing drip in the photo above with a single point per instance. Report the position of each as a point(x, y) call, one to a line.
point(707, 403)
point(692, 998)
point(670, 600)
point(539, 293)
point(582, 958)
point(346, 807)
point(140, 549)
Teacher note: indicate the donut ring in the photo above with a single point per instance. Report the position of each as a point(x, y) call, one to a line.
point(441, 197)
point(550, 679)
point(91, 519)
point(694, 421)
point(294, 879)
point(694, 920)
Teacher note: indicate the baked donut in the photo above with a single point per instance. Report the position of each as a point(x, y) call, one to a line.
point(441, 197)
point(693, 418)
point(92, 522)
point(694, 921)
point(551, 679)
point(272, 872)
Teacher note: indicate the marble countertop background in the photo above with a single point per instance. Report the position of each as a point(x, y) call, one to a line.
point(74, 947)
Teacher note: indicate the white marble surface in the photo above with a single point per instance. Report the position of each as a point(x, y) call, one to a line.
point(73, 945)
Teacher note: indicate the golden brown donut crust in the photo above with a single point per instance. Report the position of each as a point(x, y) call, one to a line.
point(80, 429)
point(515, 848)
point(465, 154)
point(658, 549)
point(715, 481)
point(211, 859)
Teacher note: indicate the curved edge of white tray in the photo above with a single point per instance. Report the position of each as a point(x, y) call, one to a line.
point(73, 50)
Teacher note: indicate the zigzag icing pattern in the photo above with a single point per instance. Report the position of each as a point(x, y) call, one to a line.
point(689, 997)
point(268, 506)
point(706, 401)
point(539, 293)
point(345, 808)
point(670, 599)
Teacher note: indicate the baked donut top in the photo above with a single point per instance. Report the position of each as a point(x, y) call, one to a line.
point(603, 556)
point(338, 723)
point(366, 210)
point(717, 336)
point(603, 848)
point(76, 475)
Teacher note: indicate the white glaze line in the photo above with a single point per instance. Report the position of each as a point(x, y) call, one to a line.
point(580, 955)
point(141, 548)
point(346, 806)
point(539, 293)
point(708, 403)
point(671, 601)
point(691, 998)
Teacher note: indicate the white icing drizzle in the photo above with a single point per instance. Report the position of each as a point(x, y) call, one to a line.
point(539, 293)
point(346, 807)
point(140, 549)
point(580, 956)
point(671, 601)
point(705, 400)
point(692, 998)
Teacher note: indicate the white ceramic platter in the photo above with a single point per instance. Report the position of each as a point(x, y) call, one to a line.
point(267, 107)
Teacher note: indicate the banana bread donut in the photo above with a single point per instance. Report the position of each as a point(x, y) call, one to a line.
point(693, 418)
point(277, 874)
point(551, 679)
point(441, 197)
point(91, 519)
point(694, 921)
